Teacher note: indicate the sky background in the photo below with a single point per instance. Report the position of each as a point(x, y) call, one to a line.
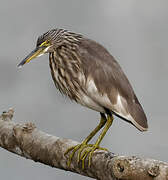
point(133, 31)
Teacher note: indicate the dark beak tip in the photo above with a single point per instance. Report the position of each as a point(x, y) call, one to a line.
point(28, 58)
point(20, 65)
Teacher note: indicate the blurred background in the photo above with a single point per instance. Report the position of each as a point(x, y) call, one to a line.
point(134, 32)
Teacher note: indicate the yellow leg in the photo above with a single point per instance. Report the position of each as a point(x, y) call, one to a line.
point(84, 144)
point(89, 151)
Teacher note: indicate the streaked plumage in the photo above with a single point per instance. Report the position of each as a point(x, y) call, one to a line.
point(87, 73)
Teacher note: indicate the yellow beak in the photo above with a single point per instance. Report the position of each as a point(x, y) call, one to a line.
point(35, 53)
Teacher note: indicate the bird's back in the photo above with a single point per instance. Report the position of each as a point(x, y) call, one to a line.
point(107, 85)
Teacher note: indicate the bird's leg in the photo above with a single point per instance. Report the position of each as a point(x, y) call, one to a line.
point(84, 144)
point(96, 145)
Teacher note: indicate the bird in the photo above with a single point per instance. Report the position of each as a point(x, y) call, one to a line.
point(88, 74)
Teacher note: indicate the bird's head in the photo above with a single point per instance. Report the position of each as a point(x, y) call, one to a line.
point(49, 41)
point(44, 45)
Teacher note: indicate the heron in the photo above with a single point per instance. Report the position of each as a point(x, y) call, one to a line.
point(87, 73)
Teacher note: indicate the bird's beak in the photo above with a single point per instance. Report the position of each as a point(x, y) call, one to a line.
point(35, 53)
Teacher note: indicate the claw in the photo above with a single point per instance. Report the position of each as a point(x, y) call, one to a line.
point(80, 151)
point(83, 158)
point(90, 155)
point(89, 152)
point(74, 148)
point(84, 151)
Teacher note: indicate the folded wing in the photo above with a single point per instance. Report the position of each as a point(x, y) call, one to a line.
point(108, 86)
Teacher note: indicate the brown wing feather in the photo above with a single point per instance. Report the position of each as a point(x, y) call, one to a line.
point(111, 81)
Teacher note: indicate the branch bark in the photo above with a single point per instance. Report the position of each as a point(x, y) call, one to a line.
point(27, 141)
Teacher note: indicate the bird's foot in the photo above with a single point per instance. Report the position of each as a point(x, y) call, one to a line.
point(88, 152)
point(84, 150)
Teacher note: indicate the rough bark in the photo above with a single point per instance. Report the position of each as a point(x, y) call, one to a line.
point(27, 141)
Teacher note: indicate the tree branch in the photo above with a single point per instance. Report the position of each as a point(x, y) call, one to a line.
point(27, 141)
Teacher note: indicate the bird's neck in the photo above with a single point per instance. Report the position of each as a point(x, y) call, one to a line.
point(65, 69)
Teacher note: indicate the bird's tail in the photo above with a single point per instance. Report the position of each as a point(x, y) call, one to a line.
point(133, 113)
point(138, 117)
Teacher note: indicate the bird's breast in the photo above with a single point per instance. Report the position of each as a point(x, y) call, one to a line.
point(66, 79)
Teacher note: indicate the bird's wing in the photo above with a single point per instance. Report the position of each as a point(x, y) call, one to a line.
point(107, 84)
